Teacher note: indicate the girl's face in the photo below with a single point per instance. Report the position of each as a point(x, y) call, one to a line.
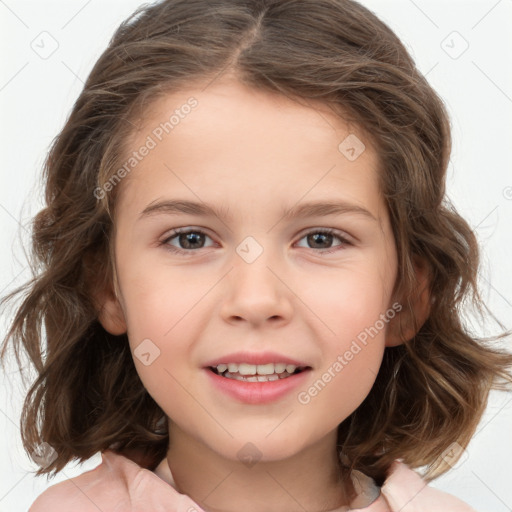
point(260, 281)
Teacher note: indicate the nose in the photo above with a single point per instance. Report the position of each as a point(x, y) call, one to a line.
point(257, 293)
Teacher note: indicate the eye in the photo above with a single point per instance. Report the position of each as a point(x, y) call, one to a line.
point(188, 239)
point(321, 237)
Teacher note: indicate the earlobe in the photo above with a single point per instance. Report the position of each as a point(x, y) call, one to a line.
point(104, 292)
point(405, 325)
point(110, 312)
point(111, 317)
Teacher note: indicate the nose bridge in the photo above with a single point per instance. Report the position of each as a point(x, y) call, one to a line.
point(256, 293)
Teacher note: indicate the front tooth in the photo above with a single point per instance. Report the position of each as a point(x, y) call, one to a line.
point(246, 369)
point(265, 369)
point(232, 367)
point(279, 367)
point(290, 368)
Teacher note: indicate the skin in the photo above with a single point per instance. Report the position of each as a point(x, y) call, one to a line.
point(255, 153)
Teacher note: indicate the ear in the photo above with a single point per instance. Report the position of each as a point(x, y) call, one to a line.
point(406, 323)
point(110, 312)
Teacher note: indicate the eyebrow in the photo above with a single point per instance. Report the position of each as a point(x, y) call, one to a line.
point(304, 210)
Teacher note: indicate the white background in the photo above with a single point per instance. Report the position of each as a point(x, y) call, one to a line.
point(36, 95)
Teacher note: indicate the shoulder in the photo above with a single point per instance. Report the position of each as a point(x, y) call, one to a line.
point(405, 490)
point(59, 498)
point(102, 488)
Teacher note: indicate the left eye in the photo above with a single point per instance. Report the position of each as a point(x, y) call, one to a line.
point(321, 236)
point(194, 239)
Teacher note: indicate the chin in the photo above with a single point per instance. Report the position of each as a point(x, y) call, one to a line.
point(261, 447)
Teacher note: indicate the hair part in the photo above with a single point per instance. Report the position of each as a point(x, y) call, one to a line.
point(430, 392)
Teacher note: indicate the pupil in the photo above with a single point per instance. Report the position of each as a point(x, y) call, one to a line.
point(189, 239)
point(315, 237)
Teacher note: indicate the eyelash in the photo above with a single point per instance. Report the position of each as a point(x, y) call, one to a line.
point(187, 252)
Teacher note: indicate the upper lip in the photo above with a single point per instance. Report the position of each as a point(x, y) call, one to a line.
point(254, 358)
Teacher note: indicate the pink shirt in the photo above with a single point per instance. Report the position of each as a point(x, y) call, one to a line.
point(120, 485)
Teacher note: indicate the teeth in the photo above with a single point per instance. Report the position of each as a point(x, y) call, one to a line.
point(232, 367)
point(265, 369)
point(256, 369)
point(246, 369)
point(255, 378)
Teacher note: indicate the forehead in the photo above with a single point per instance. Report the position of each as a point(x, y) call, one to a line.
point(229, 141)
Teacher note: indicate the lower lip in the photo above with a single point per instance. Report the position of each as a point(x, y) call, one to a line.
point(257, 392)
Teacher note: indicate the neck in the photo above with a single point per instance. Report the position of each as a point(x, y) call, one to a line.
point(309, 480)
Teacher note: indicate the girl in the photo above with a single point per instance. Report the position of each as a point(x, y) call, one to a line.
point(260, 369)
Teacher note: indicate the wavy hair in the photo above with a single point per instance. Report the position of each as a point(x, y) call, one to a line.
point(430, 391)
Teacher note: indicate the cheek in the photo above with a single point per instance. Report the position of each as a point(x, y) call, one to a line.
point(356, 315)
point(157, 309)
point(349, 301)
point(157, 301)
point(345, 379)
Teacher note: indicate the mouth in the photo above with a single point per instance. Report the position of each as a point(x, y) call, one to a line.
point(257, 384)
point(257, 373)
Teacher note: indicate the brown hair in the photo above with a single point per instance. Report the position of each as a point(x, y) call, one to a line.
point(430, 391)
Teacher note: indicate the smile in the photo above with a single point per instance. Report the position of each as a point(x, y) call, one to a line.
point(256, 373)
point(254, 388)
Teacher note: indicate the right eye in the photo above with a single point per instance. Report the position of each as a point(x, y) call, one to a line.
point(189, 239)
